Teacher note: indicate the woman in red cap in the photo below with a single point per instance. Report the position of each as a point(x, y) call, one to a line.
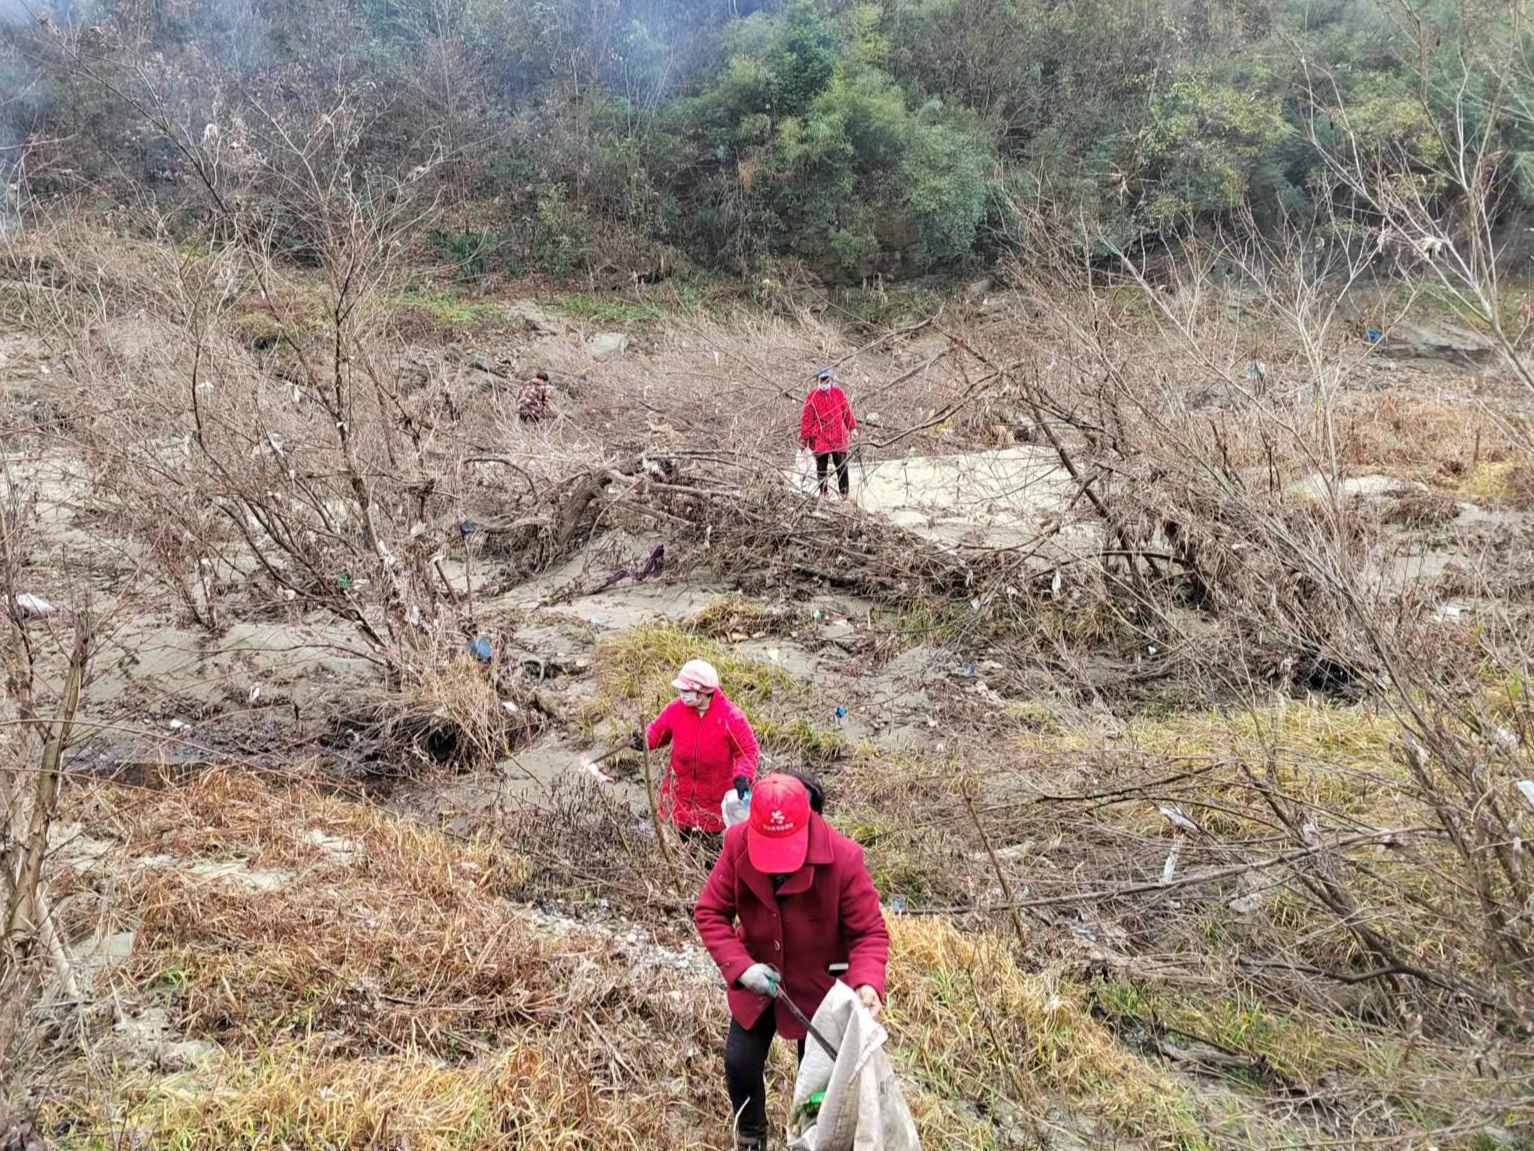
point(805, 904)
point(712, 750)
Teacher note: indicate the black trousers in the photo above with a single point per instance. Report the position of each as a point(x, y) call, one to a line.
point(840, 460)
point(745, 1068)
point(706, 844)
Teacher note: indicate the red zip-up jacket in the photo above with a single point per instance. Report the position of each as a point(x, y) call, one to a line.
point(707, 752)
point(827, 423)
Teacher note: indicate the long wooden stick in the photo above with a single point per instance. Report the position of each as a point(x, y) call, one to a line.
point(660, 831)
point(1001, 875)
point(25, 918)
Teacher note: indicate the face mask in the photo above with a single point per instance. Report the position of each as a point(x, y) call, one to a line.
point(825, 385)
point(694, 698)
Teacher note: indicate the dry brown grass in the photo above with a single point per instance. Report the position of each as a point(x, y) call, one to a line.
point(454, 712)
point(1429, 438)
point(975, 1024)
point(389, 995)
point(385, 992)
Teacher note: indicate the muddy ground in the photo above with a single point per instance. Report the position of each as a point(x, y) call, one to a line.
point(896, 702)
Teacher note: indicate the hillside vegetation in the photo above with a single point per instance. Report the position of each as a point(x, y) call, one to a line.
point(628, 138)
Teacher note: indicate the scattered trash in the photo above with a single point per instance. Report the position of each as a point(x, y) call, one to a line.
point(1257, 370)
point(276, 442)
point(839, 715)
point(205, 387)
point(804, 471)
point(815, 614)
point(1505, 739)
point(897, 905)
point(1374, 335)
point(590, 765)
point(1169, 868)
point(594, 621)
point(177, 724)
point(1527, 787)
point(481, 648)
point(508, 707)
point(1246, 904)
point(255, 694)
point(466, 528)
point(1178, 819)
point(413, 616)
point(734, 809)
point(35, 605)
point(775, 655)
point(44, 369)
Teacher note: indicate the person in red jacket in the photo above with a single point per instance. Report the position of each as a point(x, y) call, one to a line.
point(712, 749)
point(804, 902)
point(826, 428)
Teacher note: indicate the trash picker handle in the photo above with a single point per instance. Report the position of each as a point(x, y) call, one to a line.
point(808, 1026)
point(608, 754)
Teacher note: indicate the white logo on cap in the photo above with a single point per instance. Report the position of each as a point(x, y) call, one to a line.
point(777, 817)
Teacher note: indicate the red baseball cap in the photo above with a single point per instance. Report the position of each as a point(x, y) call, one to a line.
point(778, 835)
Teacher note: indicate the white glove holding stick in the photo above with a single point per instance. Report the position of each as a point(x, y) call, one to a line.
point(762, 978)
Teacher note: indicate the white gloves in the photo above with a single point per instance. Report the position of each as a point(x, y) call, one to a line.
point(761, 978)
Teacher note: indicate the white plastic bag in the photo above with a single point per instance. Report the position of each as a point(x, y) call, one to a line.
point(804, 470)
point(733, 809)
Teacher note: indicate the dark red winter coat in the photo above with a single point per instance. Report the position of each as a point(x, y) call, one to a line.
point(827, 422)
point(826, 912)
point(707, 752)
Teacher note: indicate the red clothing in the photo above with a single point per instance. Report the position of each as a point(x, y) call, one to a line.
point(829, 914)
point(707, 752)
point(827, 422)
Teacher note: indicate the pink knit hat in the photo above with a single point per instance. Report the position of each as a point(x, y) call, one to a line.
point(696, 675)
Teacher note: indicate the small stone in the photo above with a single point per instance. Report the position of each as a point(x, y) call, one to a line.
point(606, 346)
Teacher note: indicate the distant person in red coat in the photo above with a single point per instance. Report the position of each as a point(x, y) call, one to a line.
point(712, 750)
point(826, 428)
point(804, 902)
